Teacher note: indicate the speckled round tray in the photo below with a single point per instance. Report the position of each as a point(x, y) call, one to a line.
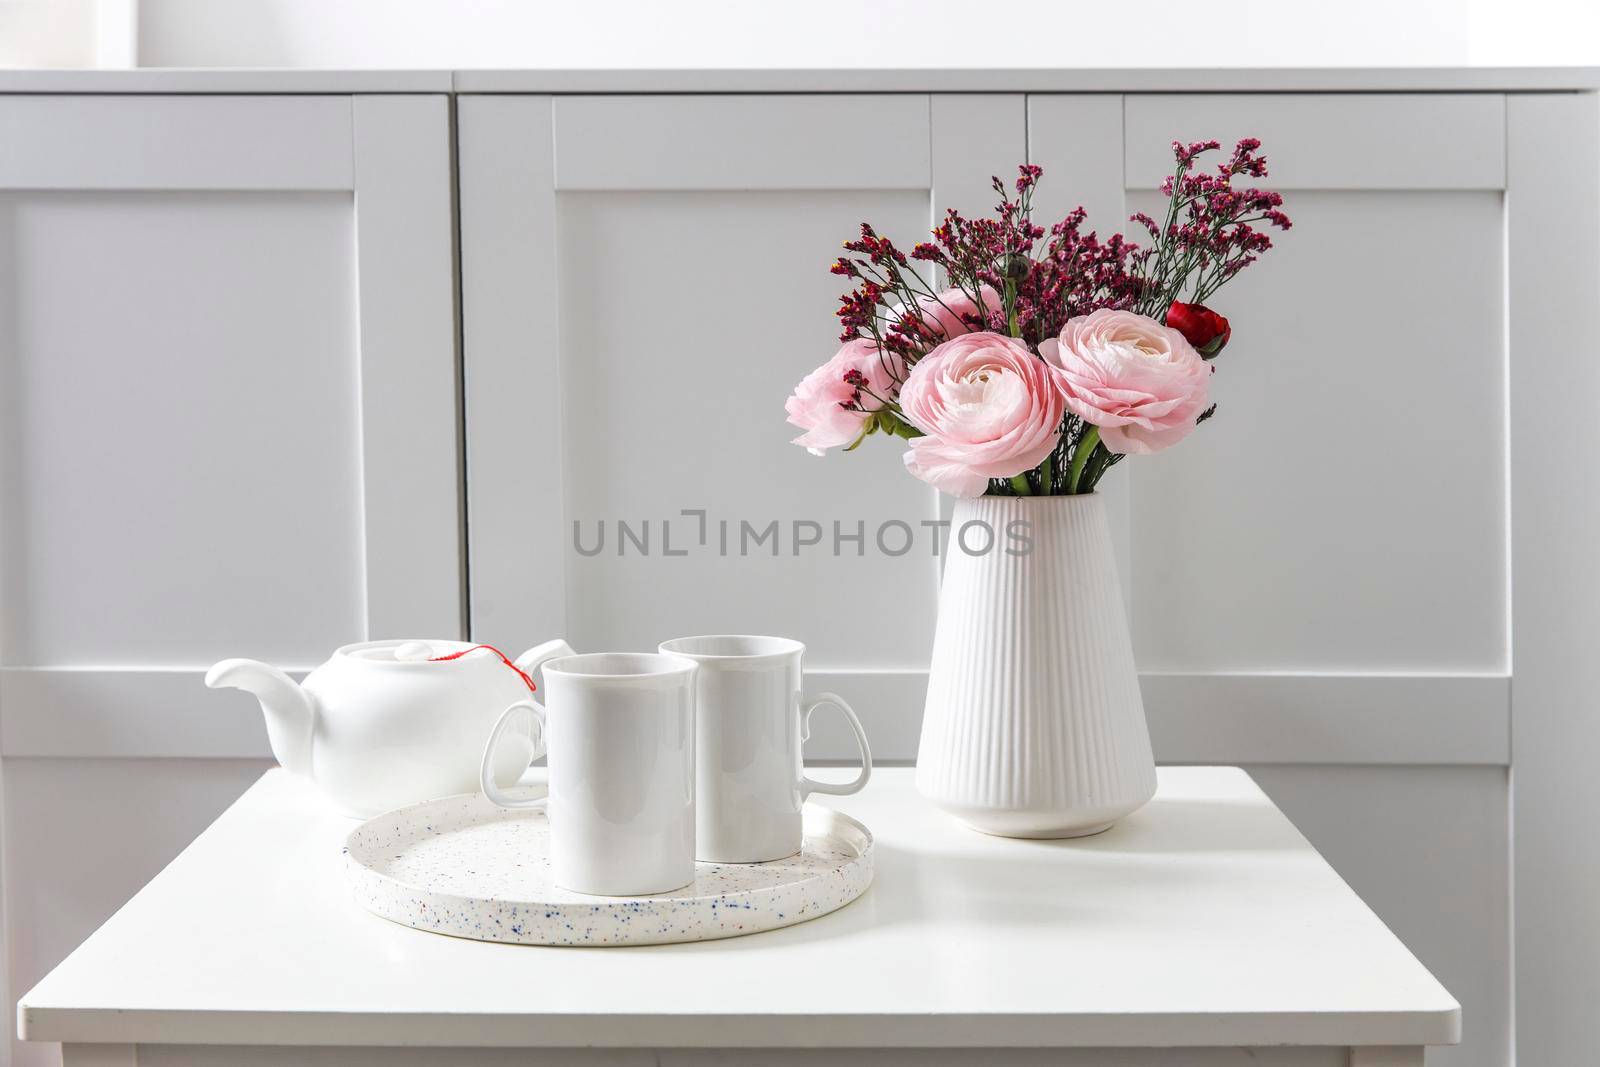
point(462, 866)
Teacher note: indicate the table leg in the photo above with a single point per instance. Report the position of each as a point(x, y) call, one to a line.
point(79, 1055)
point(1386, 1056)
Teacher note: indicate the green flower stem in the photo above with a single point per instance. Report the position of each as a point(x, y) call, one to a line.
point(1020, 484)
point(1080, 457)
point(902, 429)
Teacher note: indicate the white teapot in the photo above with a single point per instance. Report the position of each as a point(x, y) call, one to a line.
point(384, 724)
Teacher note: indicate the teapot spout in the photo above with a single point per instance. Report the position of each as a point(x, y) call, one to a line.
point(290, 711)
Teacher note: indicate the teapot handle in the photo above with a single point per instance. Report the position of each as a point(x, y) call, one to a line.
point(537, 656)
point(527, 663)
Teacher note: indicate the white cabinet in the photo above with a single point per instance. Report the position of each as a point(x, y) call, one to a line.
point(644, 279)
point(228, 426)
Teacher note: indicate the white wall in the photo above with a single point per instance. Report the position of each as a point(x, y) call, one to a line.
point(47, 33)
point(817, 33)
point(863, 33)
point(67, 33)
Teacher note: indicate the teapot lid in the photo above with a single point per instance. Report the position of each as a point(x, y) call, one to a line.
point(428, 653)
point(408, 651)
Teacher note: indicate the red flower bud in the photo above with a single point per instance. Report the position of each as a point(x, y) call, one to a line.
point(1200, 326)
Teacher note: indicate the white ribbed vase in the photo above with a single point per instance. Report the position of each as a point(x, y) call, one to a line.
point(1034, 726)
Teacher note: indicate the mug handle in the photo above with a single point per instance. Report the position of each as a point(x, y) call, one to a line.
point(486, 770)
point(811, 785)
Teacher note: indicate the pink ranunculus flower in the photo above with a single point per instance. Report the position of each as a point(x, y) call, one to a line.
point(825, 403)
point(1140, 382)
point(942, 314)
point(989, 407)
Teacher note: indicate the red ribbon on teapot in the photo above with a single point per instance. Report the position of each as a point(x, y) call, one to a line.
point(503, 659)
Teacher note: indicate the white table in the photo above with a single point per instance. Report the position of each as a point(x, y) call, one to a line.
point(1204, 930)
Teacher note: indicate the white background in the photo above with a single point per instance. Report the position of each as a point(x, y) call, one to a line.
point(1384, 827)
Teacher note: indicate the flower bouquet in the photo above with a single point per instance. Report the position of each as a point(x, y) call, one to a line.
point(1022, 364)
point(1047, 356)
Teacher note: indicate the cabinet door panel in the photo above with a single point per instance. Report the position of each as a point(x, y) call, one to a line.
point(675, 393)
point(1345, 509)
point(638, 305)
point(1340, 526)
point(139, 323)
point(227, 400)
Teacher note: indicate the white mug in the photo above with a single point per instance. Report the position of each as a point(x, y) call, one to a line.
point(619, 734)
point(751, 720)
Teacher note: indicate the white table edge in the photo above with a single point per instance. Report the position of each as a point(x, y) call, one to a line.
point(765, 1030)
